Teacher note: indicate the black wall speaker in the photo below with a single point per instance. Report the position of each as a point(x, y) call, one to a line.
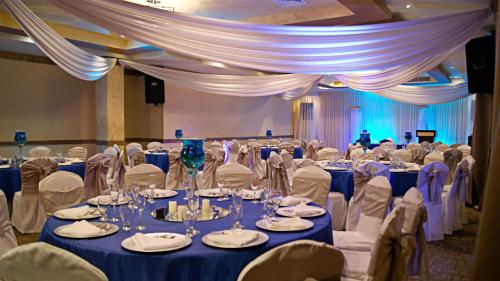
point(154, 90)
point(480, 54)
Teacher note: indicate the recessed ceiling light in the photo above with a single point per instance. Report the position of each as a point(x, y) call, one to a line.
point(408, 6)
point(122, 36)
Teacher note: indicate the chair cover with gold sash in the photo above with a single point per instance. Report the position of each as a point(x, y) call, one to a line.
point(434, 156)
point(288, 165)
point(214, 144)
point(327, 153)
point(214, 157)
point(303, 144)
point(359, 153)
point(451, 159)
point(413, 145)
point(288, 146)
point(41, 261)
point(466, 150)
point(296, 142)
point(28, 214)
point(388, 146)
point(154, 145)
point(442, 147)
point(77, 152)
point(144, 175)
point(234, 151)
point(177, 173)
point(39, 151)
point(96, 170)
point(7, 237)
point(277, 173)
point(373, 207)
point(234, 174)
point(454, 197)
point(312, 182)
point(250, 156)
point(418, 155)
point(135, 156)
point(455, 145)
point(61, 190)
point(273, 142)
point(426, 146)
point(116, 169)
point(430, 183)
point(380, 154)
point(301, 163)
point(297, 260)
point(403, 154)
point(133, 144)
point(361, 178)
point(312, 150)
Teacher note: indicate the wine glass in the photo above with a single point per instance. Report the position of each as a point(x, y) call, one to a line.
point(365, 141)
point(141, 204)
point(237, 209)
point(256, 182)
point(150, 191)
point(102, 201)
point(126, 212)
point(114, 195)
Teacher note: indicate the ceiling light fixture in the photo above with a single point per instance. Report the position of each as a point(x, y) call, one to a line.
point(408, 6)
point(122, 36)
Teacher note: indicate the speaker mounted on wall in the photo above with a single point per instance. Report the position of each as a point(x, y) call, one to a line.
point(154, 90)
point(480, 53)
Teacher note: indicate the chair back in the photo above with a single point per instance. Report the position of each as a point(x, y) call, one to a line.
point(434, 156)
point(455, 145)
point(144, 175)
point(214, 144)
point(359, 153)
point(413, 145)
point(214, 157)
point(312, 182)
point(418, 155)
point(234, 150)
point(380, 154)
point(301, 163)
point(135, 156)
point(297, 260)
point(426, 146)
point(235, 174)
point(442, 147)
point(312, 150)
point(278, 173)
point(61, 190)
point(403, 154)
point(96, 170)
point(388, 146)
point(111, 152)
point(274, 142)
point(327, 153)
point(41, 261)
point(177, 173)
point(461, 176)
point(154, 145)
point(77, 152)
point(288, 146)
point(133, 144)
point(466, 150)
point(39, 151)
point(431, 180)
point(451, 158)
point(33, 171)
point(7, 237)
point(296, 142)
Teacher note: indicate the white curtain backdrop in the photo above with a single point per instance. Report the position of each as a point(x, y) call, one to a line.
point(72, 59)
point(426, 94)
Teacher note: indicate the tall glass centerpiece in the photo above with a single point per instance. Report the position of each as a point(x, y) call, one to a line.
point(365, 141)
point(269, 135)
point(193, 157)
point(408, 137)
point(20, 139)
point(178, 136)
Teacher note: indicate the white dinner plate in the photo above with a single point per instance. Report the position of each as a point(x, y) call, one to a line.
point(288, 212)
point(129, 244)
point(106, 229)
point(92, 215)
point(263, 223)
point(164, 194)
point(303, 200)
point(93, 201)
point(335, 168)
point(211, 194)
point(263, 238)
point(385, 162)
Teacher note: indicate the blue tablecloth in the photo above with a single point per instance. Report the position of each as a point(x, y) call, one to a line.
point(10, 178)
point(343, 182)
point(196, 262)
point(160, 160)
point(266, 151)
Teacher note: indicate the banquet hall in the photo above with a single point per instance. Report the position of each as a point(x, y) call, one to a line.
point(284, 140)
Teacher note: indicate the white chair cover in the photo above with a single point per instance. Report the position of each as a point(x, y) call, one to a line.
point(235, 174)
point(380, 154)
point(288, 146)
point(403, 154)
point(288, 165)
point(135, 156)
point(304, 162)
point(451, 159)
point(454, 197)
point(7, 238)
point(296, 142)
point(327, 153)
point(250, 156)
point(61, 190)
point(430, 183)
point(434, 156)
point(358, 153)
point(278, 173)
point(304, 148)
point(111, 152)
point(96, 170)
point(336, 205)
point(413, 145)
point(214, 157)
point(312, 182)
point(273, 142)
point(28, 214)
point(39, 151)
point(442, 147)
point(388, 146)
point(466, 150)
point(361, 178)
point(116, 170)
point(418, 155)
point(41, 261)
point(77, 152)
point(133, 144)
point(296, 261)
point(177, 173)
point(144, 175)
point(154, 145)
point(234, 150)
point(214, 144)
point(312, 149)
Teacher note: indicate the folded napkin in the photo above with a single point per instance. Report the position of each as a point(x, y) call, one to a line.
point(413, 167)
point(397, 170)
point(286, 224)
point(163, 192)
point(250, 193)
point(293, 201)
point(76, 160)
point(236, 238)
point(81, 228)
point(150, 243)
point(76, 213)
point(334, 168)
point(107, 200)
point(305, 210)
point(211, 191)
point(385, 162)
point(64, 164)
point(4, 166)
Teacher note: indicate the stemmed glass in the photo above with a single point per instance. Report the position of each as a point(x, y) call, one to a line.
point(150, 191)
point(221, 184)
point(126, 212)
point(365, 141)
point(237, 209)
point(256, 182)
point(141, 204)
point(114, 194)
point(101, 207)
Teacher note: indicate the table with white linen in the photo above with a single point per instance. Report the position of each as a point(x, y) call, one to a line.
point(196, 262)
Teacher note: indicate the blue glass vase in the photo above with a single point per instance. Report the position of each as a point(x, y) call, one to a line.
point(269, 135)
point(408, 137)
point(365, 141)
point(178, 136)
point(20, 139)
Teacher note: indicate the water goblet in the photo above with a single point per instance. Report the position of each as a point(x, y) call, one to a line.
point(188, 218)
point(141, 204)
point(114, 195)
point(220, 185)
point(126, 212)
point(102, 201)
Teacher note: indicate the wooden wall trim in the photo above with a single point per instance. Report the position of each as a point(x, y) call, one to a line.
point(25, 57)
point(50, 142)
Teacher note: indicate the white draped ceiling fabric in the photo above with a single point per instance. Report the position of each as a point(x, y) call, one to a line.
point(425, 94)
point(72, 59)
point(293, 85)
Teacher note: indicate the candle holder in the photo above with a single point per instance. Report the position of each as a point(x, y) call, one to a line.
point(178, 136)
point(20, 139)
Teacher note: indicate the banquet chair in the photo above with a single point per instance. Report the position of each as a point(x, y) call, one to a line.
point(301, 163)
point(373, 207)
point(413, 145)
point(430, 183)
point(304, 148)
point(250, 156)
point(77, 152)
point(96, 170)
point(312, 150)
point(296, 142)
point(454, 197)
point(135, 156)
point(312, 182)
point(7, 238)
point(403, 154)
point(359, 153)
point(327, 153)
point(362, 176)
point(61, 190)
point(274, 142)
point(462, 212)
point(41, 261)
point(111, 152)
point(277, 172)
point(116, 170)
point(442, 147)
point(214, 144)
point(380, 154)
point(177, 173)
point(28, 214)
point(234, 151)
point(385, 261)
point(288, 165)
point(418, 155)
point(466, 150)
point(133, 144)
point(288, 146)
point(234, 174)
point(154, 145)
point(388, 146)
point(455, 145)
point(144, 175)
point(296, 261)
point(426, 146)
point(214, 157)
point(451, 159)
point(39, 151)
point(434, 156)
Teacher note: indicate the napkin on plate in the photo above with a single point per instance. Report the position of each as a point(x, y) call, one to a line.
point(412, 167)
point(236, 238)
point(210, 192)
point(163, 192)
point(81, 228)
point(76, 213)
point(293, 201)
point(302, 210)
point(286, 224)
point(250, 193)
point(149, 243)
point(107, 200)
point(4, 166)
point(397, 170)
point(334, 168)
point(64, 164)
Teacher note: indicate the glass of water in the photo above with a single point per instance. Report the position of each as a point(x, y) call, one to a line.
point(126, 212)
point(141, 204)
point(102, 201)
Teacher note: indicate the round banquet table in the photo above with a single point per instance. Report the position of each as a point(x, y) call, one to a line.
point(159, 159)
point(266, 151)
point(343, 182)
point(10, 178)
point(196, 262)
